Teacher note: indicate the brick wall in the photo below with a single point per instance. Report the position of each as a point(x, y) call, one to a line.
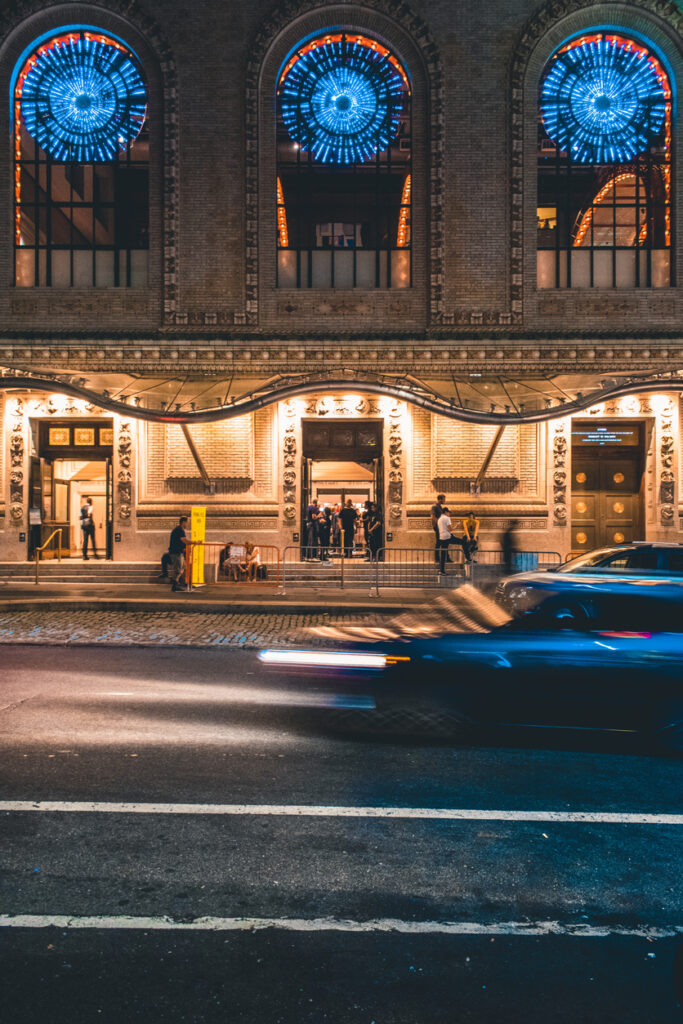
point(204, 257)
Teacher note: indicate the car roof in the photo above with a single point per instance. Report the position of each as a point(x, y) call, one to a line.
point(651, 544)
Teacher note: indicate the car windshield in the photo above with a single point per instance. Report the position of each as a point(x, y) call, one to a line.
point(594, 558)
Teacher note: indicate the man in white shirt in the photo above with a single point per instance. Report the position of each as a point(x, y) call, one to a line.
point(445, 528)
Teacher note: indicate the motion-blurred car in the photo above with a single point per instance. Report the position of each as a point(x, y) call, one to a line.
point(469, 666)
point(612, 587)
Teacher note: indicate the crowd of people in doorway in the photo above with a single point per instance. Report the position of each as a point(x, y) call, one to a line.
point(347, 528)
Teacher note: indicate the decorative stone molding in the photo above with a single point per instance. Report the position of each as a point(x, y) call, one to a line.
point(560, 456)
point(285, 14)
point(487, 523)
point(20, 10)
point(337, 405)
point(124, 455)
point(222, 523)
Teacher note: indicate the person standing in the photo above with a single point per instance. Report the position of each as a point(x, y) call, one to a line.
point(312, 525)
point(365, 524)
point(325, 529)
point(348, 517)
point(470, 531)
point(336, 527)
point(88, 529)
point(374, 530)
point(437, 512)
point(176, 549)
point(445, 528)
point(510, 546)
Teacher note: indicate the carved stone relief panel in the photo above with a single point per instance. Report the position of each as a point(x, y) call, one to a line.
point(666, 443)
point(289, 452)
point(559, 470)
point(124, 472)
point(16, 461)
point(396, 468)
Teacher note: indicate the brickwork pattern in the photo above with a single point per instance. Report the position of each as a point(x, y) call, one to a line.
point(421, 453)
point(226, 449)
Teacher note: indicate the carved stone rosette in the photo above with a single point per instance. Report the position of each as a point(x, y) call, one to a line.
point(16, 458)
point(124, 456)
point(560, 455)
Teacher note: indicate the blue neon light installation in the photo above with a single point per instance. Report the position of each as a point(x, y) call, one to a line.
point(603, 100)
point(342, 101)
point(83, 99)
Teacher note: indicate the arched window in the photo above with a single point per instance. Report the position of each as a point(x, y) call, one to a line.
point(343, 166)
point(604, 166)
point(81, 164)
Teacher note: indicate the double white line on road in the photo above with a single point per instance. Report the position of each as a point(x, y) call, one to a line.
point(334, 924)
point(323, 811)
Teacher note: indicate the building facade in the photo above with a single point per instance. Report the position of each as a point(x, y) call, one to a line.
point(260, 253)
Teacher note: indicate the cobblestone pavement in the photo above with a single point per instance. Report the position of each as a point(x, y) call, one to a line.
point(121, 629)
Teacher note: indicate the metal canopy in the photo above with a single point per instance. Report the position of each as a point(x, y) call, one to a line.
point(472, 398)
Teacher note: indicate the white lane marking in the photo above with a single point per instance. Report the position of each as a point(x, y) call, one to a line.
point(333, 924)
point(322, 811)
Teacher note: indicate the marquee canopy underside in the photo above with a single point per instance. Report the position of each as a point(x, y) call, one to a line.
point(472, 398)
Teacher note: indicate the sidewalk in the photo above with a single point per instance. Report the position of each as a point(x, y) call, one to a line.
point(237, 598)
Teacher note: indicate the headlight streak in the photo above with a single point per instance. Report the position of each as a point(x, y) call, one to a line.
point(328, 659)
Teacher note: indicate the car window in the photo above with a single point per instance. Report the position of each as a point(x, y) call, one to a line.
point(673, 561)
point(618, 561)
point(593, 559)
point(643, 558)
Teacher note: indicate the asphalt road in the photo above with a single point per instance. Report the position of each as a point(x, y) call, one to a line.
point(211, 851)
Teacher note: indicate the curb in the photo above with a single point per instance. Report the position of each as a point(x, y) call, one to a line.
point(207, 608)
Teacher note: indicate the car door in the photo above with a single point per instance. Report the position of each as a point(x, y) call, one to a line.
point(524, 676)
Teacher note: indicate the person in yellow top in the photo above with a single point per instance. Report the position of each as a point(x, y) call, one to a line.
point(470, 533)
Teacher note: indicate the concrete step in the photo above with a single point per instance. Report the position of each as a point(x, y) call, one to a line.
point(80, 572)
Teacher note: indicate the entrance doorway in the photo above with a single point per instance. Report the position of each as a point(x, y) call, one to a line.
point(607, 483)
point(73, 461)
point(342, 460)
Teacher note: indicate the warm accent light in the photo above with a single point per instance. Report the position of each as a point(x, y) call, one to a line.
point(283, 236)
point(404, 216)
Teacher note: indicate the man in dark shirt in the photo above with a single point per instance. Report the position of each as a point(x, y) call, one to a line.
point(348, 516)
point(312, 529)
point(176, 549)
point(437, 512)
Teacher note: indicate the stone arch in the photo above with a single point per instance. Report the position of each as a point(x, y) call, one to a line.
point(658, 20)
point(393, 20)
point(22, 22)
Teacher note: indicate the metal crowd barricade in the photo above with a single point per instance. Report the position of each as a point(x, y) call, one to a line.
point(489, 564)
point(209, 562)
point(325, 567)
point(419, 567)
